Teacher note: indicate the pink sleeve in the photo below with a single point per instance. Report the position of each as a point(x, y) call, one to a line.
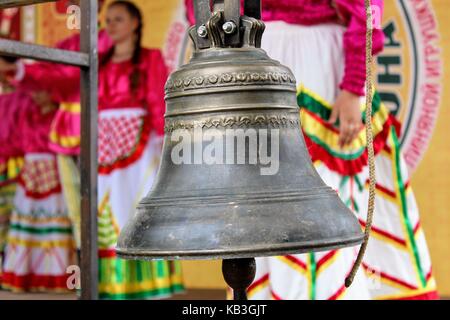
point(156, 83)
point(60, 80)
point(189, 5)
point(354, 14)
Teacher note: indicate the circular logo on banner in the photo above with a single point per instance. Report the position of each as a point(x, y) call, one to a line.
point(410, 72)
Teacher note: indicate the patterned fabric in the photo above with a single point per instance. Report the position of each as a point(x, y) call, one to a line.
point(39, 246)
point(407, 274)
point(123, 279)
point(40, 178)
point(307, 277)
point(122, 140)
point(397, 264)
point(322, 138)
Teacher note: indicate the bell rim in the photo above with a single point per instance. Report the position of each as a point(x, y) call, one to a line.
point(238, 197)
point(241, 253)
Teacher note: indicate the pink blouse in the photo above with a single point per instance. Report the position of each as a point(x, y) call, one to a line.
point(310, 12)
point(115, 89)
point(24, 128)
point(11, 113)
point(35, 128)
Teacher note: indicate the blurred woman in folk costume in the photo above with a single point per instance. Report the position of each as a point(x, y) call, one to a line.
point(131, 109)
point(39, 246)
point(323, 42)
point(39, 243)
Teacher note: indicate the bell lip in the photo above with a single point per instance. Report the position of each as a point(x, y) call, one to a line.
point(241, 253)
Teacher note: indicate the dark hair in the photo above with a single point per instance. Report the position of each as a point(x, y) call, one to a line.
point(134, 11)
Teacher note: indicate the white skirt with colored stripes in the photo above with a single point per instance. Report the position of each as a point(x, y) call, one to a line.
point(40, 246)
point(397, 264)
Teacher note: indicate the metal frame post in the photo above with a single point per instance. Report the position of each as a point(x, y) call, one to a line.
point(89, 162)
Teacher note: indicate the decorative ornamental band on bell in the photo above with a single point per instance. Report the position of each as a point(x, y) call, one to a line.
point(235, 179)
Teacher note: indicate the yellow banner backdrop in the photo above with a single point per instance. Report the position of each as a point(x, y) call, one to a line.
point(413, 79)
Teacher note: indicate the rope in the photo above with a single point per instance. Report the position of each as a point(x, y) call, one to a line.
point(370, 149)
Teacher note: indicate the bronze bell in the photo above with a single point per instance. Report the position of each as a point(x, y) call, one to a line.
point(230, 207)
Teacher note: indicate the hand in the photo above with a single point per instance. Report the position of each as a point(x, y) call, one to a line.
point(6, 67)
point(347, 110)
